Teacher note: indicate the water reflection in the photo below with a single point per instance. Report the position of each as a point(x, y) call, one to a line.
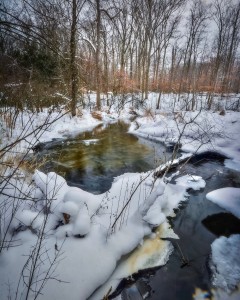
point(92, 159)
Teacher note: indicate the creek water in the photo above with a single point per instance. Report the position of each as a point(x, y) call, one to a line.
point(198, 223)
point(92, 160)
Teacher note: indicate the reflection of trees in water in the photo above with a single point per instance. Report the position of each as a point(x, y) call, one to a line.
point(96, 164)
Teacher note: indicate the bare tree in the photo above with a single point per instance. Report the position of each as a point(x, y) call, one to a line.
point(226, 42)
point(98, 27)
point(73, 66)
point(196, 23)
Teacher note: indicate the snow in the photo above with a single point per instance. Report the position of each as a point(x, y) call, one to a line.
point(89, 142)
point(215, 294)
point(232, 164)
point(92, 241)
point(197, 131)
point(30, 218)
point(191, 182)
point(53, 124)
point(152, 253)
point(228, 198)
point(225, 262)
point(94, 258)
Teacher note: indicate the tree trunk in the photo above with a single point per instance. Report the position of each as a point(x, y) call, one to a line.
point(73, 66)
point(98, 20)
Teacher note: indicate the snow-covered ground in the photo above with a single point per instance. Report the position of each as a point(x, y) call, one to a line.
point(64, 242)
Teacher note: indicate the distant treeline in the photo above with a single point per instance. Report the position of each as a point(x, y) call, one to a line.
point(121, 46)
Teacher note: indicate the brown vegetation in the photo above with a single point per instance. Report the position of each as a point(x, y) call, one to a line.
point(122, 47)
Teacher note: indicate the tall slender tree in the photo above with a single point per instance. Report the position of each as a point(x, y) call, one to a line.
point(98, 45)
point(73, 66)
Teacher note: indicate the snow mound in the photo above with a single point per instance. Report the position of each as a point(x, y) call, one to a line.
point(191, 182)
point(225, 262)
point(228, 198)
point(71, 204)
point(52, 186)
point(232, 164)
point(30, 219)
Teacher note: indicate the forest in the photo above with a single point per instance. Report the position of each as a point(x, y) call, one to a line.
point(119, 149)
point(120, 47)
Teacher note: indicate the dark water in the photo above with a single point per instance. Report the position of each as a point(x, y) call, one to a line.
point(188, 265)
point(92, 165)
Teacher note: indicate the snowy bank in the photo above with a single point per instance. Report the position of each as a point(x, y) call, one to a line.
point(225, 262)
point(89, 237)
point(32, 128)
point(195, 131)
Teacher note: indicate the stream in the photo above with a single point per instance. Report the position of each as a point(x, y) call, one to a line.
point(198, 223)
point(92, 160)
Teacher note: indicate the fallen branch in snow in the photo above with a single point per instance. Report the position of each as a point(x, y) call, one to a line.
point(108, 293)
point(169, 166)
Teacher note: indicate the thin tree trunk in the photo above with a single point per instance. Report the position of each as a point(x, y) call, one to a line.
point(74, 75)
point(98, 100)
